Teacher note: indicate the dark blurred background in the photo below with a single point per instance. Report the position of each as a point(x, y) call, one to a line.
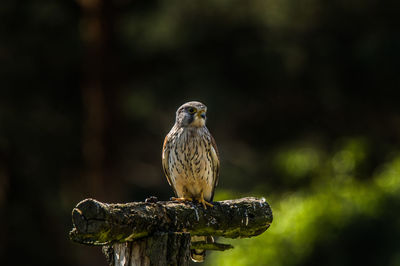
point(303, 101)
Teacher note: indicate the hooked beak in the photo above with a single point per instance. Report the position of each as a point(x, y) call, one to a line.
point(202, 114)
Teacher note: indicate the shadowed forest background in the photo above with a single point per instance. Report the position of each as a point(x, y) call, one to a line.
point(303, 101)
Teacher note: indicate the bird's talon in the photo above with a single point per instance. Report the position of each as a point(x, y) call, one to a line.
point(209, 204)
point(181, 199)
point(204, 202)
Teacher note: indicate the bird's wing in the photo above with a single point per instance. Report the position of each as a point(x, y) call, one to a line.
point(215, 160)
point(165, 161)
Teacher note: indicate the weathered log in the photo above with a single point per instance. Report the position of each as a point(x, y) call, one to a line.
point(97, 223)
point(162, 249)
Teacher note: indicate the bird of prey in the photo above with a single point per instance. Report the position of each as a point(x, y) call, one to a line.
point(190, 161)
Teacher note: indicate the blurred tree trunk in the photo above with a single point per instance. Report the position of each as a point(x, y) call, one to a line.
point(98, 91)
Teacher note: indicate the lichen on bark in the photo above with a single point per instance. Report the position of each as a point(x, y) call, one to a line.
point(97, 223)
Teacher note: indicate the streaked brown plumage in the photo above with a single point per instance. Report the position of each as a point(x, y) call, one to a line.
point(190, 160)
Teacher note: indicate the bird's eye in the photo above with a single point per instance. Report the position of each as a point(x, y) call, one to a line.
point(191, 110)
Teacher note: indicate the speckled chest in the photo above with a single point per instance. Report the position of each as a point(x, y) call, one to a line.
point(190, 162)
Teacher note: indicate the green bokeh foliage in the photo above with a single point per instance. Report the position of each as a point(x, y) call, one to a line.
point(339, 220)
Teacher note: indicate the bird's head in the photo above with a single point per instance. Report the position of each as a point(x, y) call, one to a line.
point(191, 114)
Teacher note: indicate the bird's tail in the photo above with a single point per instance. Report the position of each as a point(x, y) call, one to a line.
point(197, 255)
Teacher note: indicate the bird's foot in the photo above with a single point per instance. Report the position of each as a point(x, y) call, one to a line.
point(181, 199)
point(204, 202)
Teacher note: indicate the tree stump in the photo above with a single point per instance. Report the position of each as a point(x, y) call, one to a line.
point(158, 232)
point(161, 249)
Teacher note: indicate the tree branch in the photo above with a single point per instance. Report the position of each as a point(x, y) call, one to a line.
point(210, 246)
point(97, 223)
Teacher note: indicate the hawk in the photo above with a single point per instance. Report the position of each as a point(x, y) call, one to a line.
point(190, 161)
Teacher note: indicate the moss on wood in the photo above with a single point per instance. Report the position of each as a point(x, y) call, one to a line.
point(97, 223)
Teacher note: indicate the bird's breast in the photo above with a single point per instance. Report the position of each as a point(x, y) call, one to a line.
point(190, 164)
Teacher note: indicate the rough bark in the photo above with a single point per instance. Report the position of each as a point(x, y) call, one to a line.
point(161, 249)
point(97, 223)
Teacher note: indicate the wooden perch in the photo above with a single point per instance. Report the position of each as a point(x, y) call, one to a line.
point(158, 232)
point(97, 223)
